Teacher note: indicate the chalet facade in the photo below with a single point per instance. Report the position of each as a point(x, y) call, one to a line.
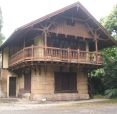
point(51, 56)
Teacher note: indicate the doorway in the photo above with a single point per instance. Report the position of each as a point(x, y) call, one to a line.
point(12, 86)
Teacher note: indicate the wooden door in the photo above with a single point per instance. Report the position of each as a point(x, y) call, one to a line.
point(27, 82)
point(12, 86)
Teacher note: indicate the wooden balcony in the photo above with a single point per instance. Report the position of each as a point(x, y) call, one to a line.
point(38, 53)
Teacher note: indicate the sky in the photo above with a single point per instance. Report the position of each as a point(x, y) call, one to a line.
point(19, 12)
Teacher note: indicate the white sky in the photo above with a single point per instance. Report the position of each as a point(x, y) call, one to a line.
point(19, 12)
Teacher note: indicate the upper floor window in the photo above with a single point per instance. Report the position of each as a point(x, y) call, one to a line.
point(70, 22)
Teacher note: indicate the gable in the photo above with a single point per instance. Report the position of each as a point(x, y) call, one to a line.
point(86, 26)
point(77, 30)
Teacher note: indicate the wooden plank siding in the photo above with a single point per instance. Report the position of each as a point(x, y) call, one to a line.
point(78, 30)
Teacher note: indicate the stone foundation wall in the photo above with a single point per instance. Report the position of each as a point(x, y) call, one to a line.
point(3, 83)
point(42, 85)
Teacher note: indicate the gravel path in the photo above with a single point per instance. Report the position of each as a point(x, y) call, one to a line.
point(57, 108)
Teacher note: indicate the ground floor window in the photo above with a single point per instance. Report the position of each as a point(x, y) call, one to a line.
point(65, 82)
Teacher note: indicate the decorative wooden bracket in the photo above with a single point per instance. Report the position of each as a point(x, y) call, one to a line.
point(39, 69)
point(18, 73)
point(34, 68)
point(85, 71)
point(23, 71)
point(62, 68)
point(45, 69)
point(28, 69)
point(31, 67)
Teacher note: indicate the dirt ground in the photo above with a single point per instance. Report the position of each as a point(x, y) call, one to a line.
point(83, 107)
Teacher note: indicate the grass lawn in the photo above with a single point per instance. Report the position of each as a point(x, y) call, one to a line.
point(100, 103)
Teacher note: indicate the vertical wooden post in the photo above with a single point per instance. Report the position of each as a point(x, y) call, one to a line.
point(78, 55)
point(24, 41)
point(68, 55)
point(32, 52)
point(13, 49)
point(45, 43)
point(9, 50)
point(18, 46)
point(96, 48)
point(23, 48)
point(78, 50)
point(45, 39)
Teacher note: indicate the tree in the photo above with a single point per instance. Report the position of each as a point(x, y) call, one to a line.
point(108, 74)
point(1, 24)
point(110, 22)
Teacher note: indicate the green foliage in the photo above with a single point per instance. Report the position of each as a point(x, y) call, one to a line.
point(110, 22)
point(111, 93)
point(1, 24)
point(99, 96)
point(108, 74)
point(1, 19)
point(1, 38)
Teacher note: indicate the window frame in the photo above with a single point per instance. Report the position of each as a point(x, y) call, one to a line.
point(71, 84)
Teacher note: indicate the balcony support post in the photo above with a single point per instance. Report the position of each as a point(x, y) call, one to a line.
point(45, 44)
point(32, 52)
point(24, 41)
point(68, 55)
point(78, 55)
point(96, 47)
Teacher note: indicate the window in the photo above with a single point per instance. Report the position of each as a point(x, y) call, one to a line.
point(70, 22)
point(56, 43)
point(65, 82)
point(82, 46)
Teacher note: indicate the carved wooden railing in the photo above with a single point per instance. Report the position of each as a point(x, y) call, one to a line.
point(38, 53)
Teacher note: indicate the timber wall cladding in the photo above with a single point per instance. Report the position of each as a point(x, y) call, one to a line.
point(79, 30)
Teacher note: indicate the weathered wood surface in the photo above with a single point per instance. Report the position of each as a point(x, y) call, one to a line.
point(38, 53)
point(78, 30)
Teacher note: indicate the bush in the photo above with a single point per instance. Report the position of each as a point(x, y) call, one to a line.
point(111, 93)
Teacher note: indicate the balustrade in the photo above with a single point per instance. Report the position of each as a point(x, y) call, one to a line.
point(37, 53)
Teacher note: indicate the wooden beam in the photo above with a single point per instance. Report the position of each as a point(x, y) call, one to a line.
point(76, 19)
point(38, 29)
point(90, 29)
point(31, 67)
point(52, 23)
point(102, 39)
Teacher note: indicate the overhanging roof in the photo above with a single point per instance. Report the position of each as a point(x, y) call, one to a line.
point(93, 22)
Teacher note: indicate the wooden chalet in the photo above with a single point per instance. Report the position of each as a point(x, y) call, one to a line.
point(51, 56)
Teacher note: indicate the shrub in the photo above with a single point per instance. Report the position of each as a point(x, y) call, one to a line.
point(111, 93)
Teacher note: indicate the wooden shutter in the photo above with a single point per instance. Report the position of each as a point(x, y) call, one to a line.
point(82, 46)
point(65, 81)
point(58, 81)
point(73, 81)
point(27, 82)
